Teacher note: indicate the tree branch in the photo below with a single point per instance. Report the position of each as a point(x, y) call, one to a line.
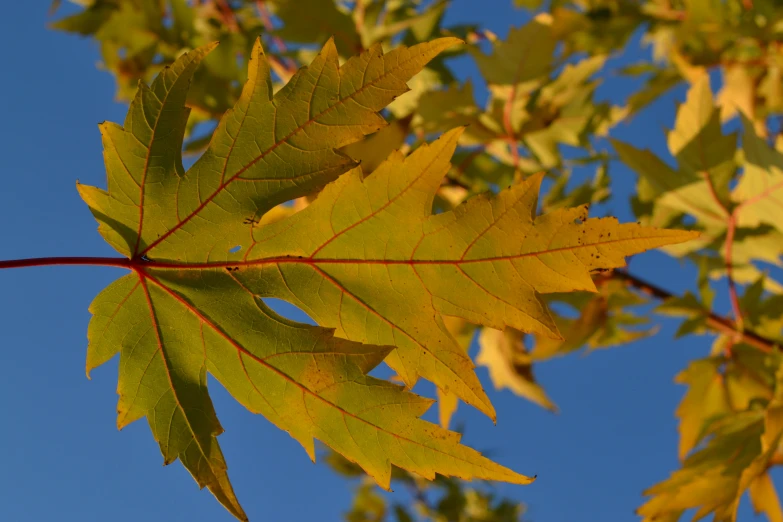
point(717, 322)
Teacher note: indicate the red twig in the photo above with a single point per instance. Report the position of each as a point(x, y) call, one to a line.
point(733, 295)
point(509, 106)
point(731, 226)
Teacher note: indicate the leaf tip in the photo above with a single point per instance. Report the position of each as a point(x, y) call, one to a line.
point(329, 49)
point(450, 41)
point(258, 47)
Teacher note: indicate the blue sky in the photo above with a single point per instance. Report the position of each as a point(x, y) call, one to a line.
point(65, 459)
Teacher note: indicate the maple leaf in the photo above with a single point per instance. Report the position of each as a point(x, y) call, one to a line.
point(706, 397)
point(761, 185)
point(602, 321)
point(525, 56)
point(705, 158)
point(315, 20)
point(366, 258)
point(510, 365)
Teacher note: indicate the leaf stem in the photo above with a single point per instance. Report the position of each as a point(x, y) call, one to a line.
point(733, 295)
point(121, 262)
point(716, 322)
point(731, 226)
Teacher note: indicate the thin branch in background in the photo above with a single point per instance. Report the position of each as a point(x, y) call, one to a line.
point(450, 181)
point(53, 7)
point(358, 16)
point(266, 19)
point(508, 108)
point(731, 227)
point(229, 18)
point(714, 321)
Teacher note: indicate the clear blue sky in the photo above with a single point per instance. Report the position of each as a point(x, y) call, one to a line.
point(64, 460)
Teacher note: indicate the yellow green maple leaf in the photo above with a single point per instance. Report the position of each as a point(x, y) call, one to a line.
point(367, 258)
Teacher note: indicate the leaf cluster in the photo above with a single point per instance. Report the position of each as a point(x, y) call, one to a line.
point(475, 198)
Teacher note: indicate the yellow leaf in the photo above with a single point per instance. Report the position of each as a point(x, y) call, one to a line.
point(462, 331)
point(706, 397)
point(447, 407)
point(504, 354)
point(765, 498)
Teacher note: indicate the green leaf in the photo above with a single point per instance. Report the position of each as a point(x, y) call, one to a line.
point(529, 4)
point(698, 143)
point(602, 321)
point(760, 188)
point(439, 111)
point(525, 56)
point(163, 376)
point(307, 21)
point(86, 22)
point(371, 152)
